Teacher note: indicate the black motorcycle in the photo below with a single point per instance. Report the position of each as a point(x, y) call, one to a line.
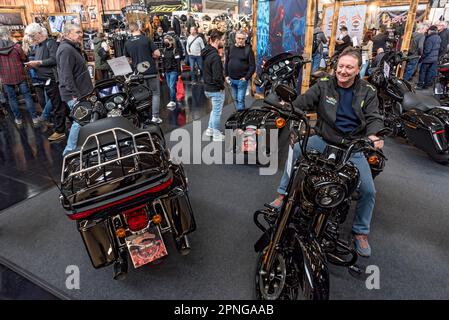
point(251, 126)
point(303, 235)
point(419, 118)
point(120, 185)
point(441, 84)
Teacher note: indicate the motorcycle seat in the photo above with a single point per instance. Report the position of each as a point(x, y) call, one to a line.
point(418, 101)
point(110, 123)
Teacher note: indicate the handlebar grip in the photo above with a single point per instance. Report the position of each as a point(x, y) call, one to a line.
point(150, 76)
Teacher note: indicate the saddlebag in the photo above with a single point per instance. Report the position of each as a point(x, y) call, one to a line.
point(426, 131)
point(97, 238)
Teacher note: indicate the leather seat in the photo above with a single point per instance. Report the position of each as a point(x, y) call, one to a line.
point(418, 101)
point(110, 123)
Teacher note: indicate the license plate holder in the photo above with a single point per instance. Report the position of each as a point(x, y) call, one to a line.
point(146, 247)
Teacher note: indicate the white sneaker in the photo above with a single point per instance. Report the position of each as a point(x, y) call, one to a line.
point(171, 104)
point(218, 137)
point(18, 122)
point(209, 132)
point(156, 120)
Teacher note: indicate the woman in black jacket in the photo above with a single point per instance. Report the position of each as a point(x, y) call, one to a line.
point(171, 66)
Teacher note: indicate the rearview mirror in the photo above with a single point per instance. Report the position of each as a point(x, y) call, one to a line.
point(143, 66)
point(286, 93)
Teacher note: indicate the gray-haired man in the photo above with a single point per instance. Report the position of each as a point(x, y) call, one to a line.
point(74, 78)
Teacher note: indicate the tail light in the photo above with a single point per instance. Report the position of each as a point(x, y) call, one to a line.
point(280, 122)
point(136, 218)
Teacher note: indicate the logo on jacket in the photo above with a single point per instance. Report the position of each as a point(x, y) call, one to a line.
point(331, 100)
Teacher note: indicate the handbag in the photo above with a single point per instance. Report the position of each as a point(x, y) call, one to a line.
point(180, 92)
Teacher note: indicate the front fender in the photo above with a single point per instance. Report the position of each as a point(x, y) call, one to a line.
point(312, 264)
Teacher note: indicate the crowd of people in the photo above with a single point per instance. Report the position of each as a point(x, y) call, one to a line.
point(56, 70)
point(428, 46)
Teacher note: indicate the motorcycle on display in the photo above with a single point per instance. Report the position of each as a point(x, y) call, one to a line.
point(119, 185)
point(251, 126)
point(419, 118)
point(303, 236)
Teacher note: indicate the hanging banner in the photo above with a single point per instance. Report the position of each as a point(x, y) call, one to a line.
point(397, 16)
point(167, 6)
point(328, 17)
point(134, 8)
point(245, 7)
point(353, 18)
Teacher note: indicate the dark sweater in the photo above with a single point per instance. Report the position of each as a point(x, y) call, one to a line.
point(46, 51)
point(74, 78)
point(212, 70)
point(346, 120)
point(238, 64)
point(171, 60)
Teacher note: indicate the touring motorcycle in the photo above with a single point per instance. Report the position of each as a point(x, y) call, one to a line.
point(441, 84)
point(251, 126)
point(303, 235)
point(119, 185)
point(419, 118)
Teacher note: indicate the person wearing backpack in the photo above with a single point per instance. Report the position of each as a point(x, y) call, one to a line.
point(195, 45)
point(416, 49)
point(319, 39)
point(239, 67)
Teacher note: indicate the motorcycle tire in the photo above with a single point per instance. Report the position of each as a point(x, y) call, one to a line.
point(277, 288)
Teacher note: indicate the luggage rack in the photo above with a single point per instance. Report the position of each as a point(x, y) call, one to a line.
point(99, 148)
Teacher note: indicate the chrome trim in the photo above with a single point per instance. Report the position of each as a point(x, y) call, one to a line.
point(100, 164)
point(154, 203)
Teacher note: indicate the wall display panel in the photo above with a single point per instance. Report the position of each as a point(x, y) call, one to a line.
point(281, 27)
point(353, 18)
point(14, 19)
point(56, 21)
point(245, 7)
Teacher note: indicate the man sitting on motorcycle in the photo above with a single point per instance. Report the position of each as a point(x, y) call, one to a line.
point(347, 109)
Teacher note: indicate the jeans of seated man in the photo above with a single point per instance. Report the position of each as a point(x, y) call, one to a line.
point(73, 134)
point(239, 88)
point(367, 191)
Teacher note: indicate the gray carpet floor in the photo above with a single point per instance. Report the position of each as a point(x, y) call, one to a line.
point(409, 237)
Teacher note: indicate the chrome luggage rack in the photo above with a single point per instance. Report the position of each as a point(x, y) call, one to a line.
point(100, 148)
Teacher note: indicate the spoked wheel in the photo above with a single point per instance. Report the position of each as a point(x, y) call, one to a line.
point(278, 283)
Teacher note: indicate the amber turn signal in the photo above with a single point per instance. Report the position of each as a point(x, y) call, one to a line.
point(280, 122)
point(121, 233)
point(157, 219)
point(374, 160)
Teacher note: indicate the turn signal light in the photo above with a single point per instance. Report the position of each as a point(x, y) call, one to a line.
point(280, 122)
point(121, 233)
point(374, 160)
point(157, 219)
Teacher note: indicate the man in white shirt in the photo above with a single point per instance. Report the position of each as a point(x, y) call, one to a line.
point(194, 46)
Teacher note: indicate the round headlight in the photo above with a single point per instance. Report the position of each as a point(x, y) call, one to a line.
point(330, 195)
point(119, 100)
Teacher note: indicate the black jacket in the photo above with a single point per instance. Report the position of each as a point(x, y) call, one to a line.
point(212, 70)
point(323, 98)
point(444, 35)
point(46, 51)
point(171, 60)
point(74, 78)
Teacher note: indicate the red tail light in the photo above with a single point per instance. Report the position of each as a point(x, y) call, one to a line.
point(85, 214)
point(136, 218)
point(440, 132)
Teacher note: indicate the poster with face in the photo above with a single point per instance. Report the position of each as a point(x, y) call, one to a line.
point(328, 17)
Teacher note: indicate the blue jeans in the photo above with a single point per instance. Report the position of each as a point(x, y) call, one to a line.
point(12, 99)
point(316, 59)
point(73, 134)
point(427, 74)
point(239, 89)
point(171, 78)
point(217, 99)
point(364, 68)
point(367, 191)
point(192, 61)
point(410, 69)
point(48, 107)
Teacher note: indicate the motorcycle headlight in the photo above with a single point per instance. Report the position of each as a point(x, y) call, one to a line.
point(330, 195)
